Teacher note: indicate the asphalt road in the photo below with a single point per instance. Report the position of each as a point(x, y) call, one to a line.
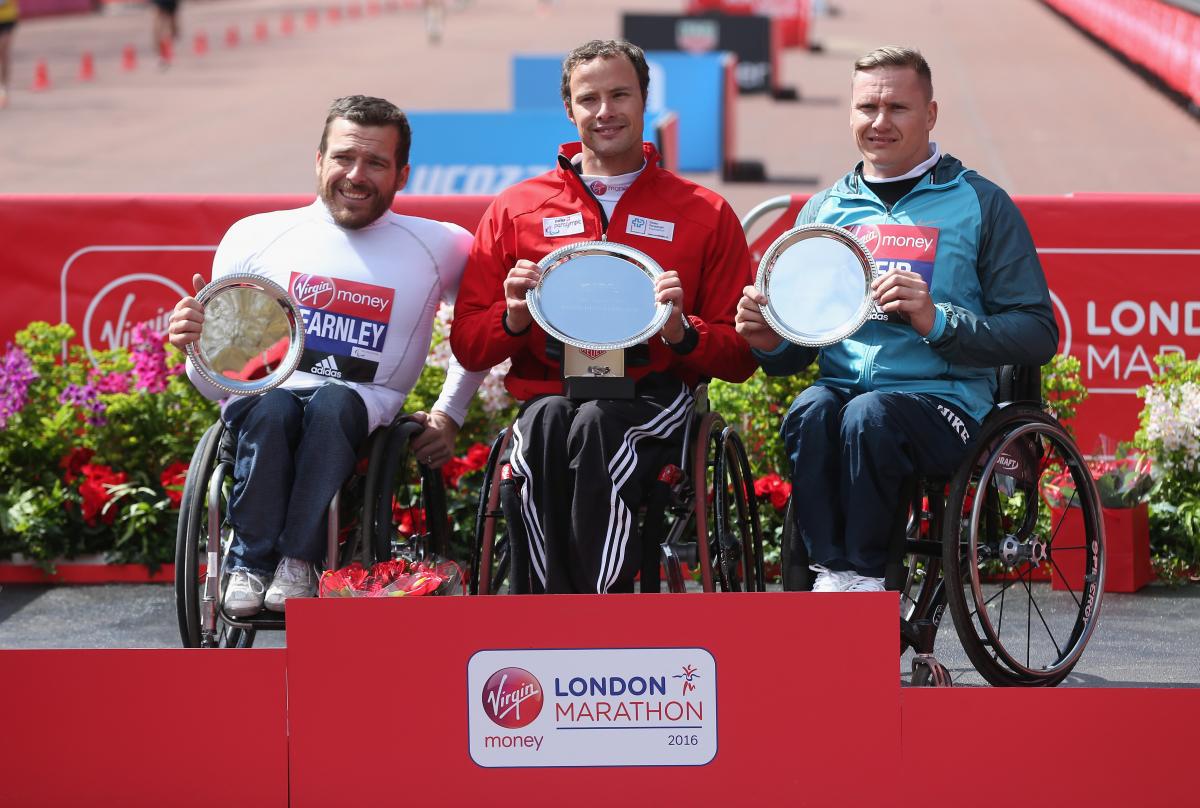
point(1150, 639)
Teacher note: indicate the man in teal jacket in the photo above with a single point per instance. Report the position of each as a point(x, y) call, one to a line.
point(963, 292)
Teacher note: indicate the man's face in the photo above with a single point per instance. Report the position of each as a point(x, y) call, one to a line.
point(606, 106)
point(891, 118)
point(357, 176)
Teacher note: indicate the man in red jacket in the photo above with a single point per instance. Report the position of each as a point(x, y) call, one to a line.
point(584, 465)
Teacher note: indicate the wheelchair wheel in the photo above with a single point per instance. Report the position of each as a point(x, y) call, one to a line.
point(405, 500)
point(730, 536)
point(200, 625)
point(999, 537)
point(489, 549)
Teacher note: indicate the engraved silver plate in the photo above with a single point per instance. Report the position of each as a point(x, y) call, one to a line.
point(817, 280)
point(598, 296)
point(252, 337)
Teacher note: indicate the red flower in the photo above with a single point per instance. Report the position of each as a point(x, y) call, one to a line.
point(477, 456)
point(772, 486)
point(454, 469)
point(73, 461)
point(96, 492)
point(408, 520)
point(172, 479)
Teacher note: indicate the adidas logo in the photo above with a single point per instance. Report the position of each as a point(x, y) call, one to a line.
point(326, 367)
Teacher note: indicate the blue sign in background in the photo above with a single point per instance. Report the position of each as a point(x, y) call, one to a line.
point(485, 152)
point(690, 85)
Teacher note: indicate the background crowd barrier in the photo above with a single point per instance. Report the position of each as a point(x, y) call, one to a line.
point(43, 8)
point(692, 86)
point(463, 701)
point(1121, 270)
point(1162, 38)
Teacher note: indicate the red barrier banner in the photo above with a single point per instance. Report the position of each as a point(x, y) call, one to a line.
point(790, 17)
point(147, 727)
point(595, 699)
point(107, 263)
point(1123, 277)
point(1121, 268)
point(43, 8)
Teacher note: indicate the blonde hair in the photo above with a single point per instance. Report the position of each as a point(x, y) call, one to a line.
point(894, 56)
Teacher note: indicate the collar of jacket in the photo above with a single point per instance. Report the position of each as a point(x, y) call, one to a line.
point(945, 172)
point(568, 151)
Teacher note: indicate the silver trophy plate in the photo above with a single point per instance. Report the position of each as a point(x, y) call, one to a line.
point(598, 296)
point(817, 281)
point(252, 337)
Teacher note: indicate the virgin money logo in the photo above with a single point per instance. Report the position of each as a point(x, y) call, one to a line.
point(868, 234)
point(512, 698)
point(313, 291)
point(598, 188)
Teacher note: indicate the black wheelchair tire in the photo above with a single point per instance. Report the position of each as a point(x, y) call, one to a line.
point(192, 519)
point(1018, 431)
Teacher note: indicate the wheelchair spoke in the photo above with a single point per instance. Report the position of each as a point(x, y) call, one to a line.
point(1070, 589)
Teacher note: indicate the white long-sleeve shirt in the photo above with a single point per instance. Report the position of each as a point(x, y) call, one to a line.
point(368, 298)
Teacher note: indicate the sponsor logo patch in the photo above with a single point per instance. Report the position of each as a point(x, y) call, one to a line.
point(562, 225)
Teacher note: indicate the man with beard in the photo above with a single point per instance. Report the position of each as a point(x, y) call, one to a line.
point(585, 464)
point(345, 259)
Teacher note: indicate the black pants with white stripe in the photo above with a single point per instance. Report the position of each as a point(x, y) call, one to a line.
point(585, 467)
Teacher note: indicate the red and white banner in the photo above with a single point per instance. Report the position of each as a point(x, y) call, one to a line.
point(1123, 272)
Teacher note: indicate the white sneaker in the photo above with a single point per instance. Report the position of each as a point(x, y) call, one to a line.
point(293, 579)
point(830, 580)
point(861, 583)
point(244, 593)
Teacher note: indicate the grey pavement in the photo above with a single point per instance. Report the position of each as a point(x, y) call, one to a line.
point(1149, 639)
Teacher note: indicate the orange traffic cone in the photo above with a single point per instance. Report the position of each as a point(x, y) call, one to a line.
point(129, 58)
point(166, 52)
point(87, 67)
point(200, 44)
point(260, 31)
point(231, 36)
point(355, 11)
point(334, 13)
point(311, 19)
point(287, 25)
point(41, 76)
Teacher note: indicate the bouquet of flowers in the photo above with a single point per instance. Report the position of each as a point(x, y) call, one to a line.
point(392, 579)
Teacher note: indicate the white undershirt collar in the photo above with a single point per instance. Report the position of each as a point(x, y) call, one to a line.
point(935, 154)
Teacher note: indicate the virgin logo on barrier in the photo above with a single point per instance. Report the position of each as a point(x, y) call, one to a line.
point(512, 698)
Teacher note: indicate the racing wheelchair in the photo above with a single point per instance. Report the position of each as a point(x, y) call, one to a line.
point(700, 514)
point(361, 524)
point(985, 541)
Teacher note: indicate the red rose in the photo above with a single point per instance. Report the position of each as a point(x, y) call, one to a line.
point(172, 479)
point(73, 461)
point(772, 486)
point(95, 490)
point(454, 469)
point(477, 456)
point(408, 520)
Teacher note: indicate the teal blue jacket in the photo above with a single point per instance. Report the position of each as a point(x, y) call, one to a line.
point(993, 305)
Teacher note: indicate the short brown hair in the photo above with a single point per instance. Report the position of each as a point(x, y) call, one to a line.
point(365, 110)
point(894, 56)
point(605, 49)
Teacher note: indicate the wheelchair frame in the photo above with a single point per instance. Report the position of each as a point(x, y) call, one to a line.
point(957, 539)
point(203, 622)
point(727, 543)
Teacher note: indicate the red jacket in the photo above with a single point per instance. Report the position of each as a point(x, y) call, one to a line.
point(707, 248)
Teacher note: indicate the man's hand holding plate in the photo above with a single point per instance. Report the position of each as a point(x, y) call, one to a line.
point(751, 324)
point(521, 278)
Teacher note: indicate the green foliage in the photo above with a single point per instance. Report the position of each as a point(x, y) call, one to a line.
point(92, 457)
point(1062, 387)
